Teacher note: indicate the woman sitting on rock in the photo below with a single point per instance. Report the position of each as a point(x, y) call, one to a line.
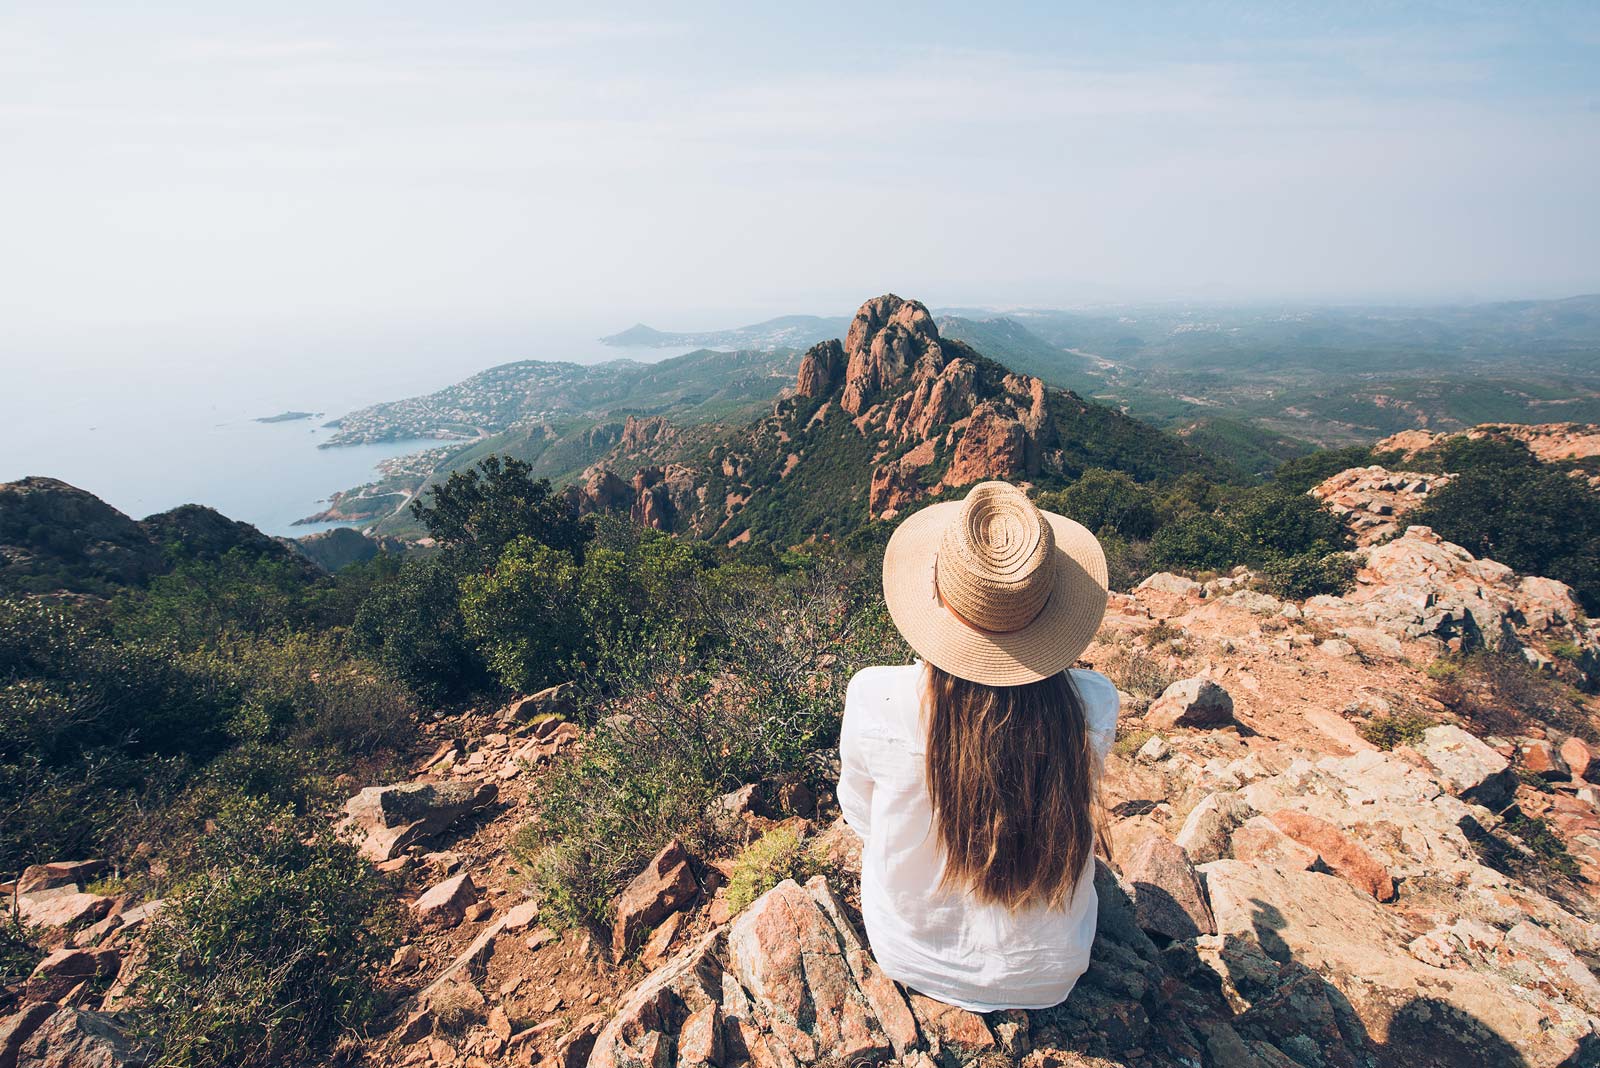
point(972, 775)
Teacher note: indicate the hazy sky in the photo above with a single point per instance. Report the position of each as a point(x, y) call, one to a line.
point(208, 166)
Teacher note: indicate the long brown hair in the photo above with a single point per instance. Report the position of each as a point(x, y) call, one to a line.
point(1014, 786)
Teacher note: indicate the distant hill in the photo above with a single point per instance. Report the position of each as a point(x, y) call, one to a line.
point(1249, 448)
point(56, 538)
point(786, 331)
point(560, 417)
point(529, 392)
point(1020, 349)
point(333, 550)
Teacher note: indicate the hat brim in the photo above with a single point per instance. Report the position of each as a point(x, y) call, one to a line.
point(1049, 644)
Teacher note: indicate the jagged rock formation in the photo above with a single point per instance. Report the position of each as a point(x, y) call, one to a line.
point(1420, 587)
point(1372, 500)
point(891, 415)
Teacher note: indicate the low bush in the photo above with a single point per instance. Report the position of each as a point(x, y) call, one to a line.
point(268, 949)
point(18, 952)
point(1135, 669)
point(757, 692)
point(1395, 728)
point(1308, 574)
point(777, 855)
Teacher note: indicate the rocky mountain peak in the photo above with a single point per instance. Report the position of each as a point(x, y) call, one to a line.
point(888, 338)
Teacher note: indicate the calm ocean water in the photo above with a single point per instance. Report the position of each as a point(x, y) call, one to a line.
point(147, 431)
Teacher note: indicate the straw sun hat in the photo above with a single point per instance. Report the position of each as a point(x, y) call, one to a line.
point(993, 590)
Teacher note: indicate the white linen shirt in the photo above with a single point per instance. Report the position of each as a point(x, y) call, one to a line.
point(980, 957)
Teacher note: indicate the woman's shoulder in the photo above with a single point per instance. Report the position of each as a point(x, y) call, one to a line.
point(884, 697)
point(884, 680)
point(1101, 701)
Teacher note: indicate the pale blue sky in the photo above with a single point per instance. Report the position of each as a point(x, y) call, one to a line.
point(200, 169)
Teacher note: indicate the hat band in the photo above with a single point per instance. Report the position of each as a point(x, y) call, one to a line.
point(939, 596)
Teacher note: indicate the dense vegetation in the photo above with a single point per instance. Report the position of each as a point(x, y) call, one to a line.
point(1506, 505)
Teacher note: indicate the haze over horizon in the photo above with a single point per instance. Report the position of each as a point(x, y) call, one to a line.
point(189, 174)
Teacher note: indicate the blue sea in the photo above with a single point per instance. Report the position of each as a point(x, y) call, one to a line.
point(149, 426)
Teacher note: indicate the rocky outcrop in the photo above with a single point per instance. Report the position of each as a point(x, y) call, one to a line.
point(887, 339)
point(994, 445)
point(56, 975)
point(1466, 766)
point(1285, 937)
point(73, 1038)
point(1373, 500)
point(1168, 899)
point(1550, 442)
point(639, 435)
point(387, 819)
point(445, 904)
point(664, 497)
point(896, 484)
point(665, 885)
point(1192, 702)
point(601, 490)
point(1420, 587)
point(821, 369)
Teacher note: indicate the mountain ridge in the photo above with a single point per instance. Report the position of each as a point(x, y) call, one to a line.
point(892, 414)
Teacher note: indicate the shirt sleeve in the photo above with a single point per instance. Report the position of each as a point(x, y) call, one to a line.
point(1101, 706)
point(855, 781)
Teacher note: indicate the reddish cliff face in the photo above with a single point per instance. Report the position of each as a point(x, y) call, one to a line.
point(936, 415)
point(821, 369)
point(888, 338)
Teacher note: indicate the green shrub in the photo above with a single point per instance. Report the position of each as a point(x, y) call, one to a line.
point(269, 948)
point(1308, 574)
point(1195, 543)
point(413, 627)
point(756, 692)
point(1549, 852)
point(1301, 473)
point(777, 855)
point(1266, 527)
point(1135, 669)
point(524, 615)
point(1571, 652)
point(1395, 728)
point(483, 509)
point(1529, 516)
point(1107, 502)
point(1130, 742)
point(18, 953)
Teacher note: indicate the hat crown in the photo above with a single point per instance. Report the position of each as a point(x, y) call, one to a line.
point(991, 569)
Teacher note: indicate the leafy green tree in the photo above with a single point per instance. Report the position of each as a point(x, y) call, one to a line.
point(1107, 502)
point(413, 627)
point(203, 598)
point(1301, 473)
point(1195, 543)
point(484, 508)
point(1269, 522)
point(525, 616)
point(1308, 574)
point(269, 949)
